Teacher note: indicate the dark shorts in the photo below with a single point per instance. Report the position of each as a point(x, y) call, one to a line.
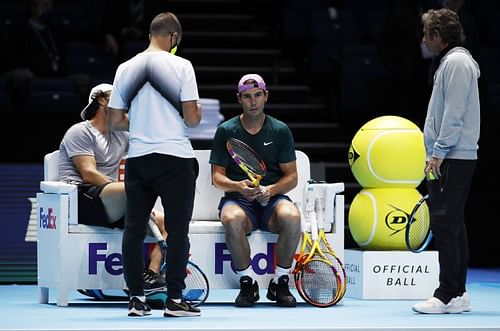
point(259, 215)
point(91, 209)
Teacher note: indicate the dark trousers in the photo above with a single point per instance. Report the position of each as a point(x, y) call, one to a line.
point(172, 179)
point(447, 200)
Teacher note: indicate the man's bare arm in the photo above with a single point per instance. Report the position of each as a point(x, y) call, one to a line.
point(191, 110)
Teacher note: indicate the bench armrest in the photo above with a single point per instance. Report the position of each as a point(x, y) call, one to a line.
point(48, 186)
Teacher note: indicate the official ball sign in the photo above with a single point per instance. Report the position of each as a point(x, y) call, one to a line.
point(391, 274)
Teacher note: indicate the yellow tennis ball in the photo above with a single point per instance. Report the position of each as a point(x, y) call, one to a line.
point(378, 217)
point(388, 151)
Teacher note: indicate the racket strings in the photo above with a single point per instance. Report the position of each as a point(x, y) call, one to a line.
point(194, 279)
point(319, 283)
point(197, 288)
point(338, 266)
point(329, 253)
point(418, 226)
point(248, 157)
point(196, 285)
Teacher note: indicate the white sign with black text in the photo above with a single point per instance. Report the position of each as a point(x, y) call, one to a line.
point(391, 274)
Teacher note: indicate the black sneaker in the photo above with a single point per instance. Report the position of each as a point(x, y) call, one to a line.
point(249, 292)
point(182, 309)
point(280, 293)
point(153, 282)
point(148, 275)
point(138, 308)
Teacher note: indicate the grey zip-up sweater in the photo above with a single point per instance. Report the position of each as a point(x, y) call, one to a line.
point(452, 124)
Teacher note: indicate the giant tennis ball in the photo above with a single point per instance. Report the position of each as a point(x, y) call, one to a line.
point(388, 151)
point(378, 217)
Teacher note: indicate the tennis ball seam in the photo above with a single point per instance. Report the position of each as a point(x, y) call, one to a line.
point(373, 141)
point(375, 219)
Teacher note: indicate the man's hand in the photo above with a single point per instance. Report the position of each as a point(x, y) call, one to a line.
point(432, 168)
point(248, 190)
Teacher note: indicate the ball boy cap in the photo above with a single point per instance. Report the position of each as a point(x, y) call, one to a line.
point(260, 83)
point(101, 87)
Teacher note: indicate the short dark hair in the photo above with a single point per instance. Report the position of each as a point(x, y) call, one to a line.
point(447, 23)
point(101, 94)
point(164, 24)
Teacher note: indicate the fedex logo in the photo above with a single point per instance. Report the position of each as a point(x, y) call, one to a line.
point(113, 263)
point(47, 220)
point(222, 255)
point(98, 255)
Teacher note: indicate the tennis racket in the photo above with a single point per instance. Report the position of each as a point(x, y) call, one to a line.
point(316, 279)
point(418, 232)
point(328, 251)
point(197, 286)
point(248, 160)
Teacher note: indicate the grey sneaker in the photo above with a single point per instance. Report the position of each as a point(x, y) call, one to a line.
point(436, 306)
point(182, 309)
point(465, 300)
point(138, 308)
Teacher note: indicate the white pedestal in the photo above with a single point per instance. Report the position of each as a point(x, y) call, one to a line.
point(391, 274)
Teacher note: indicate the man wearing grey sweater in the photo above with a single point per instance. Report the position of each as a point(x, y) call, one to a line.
point(451, 135)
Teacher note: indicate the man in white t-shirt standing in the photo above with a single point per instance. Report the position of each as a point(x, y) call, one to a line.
point(158, 92)
point(89, 157)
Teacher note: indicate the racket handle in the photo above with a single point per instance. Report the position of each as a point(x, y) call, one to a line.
point(319, 209)
point(314, 225)
point(157, 234)
point(155, 230)
point(263, 204)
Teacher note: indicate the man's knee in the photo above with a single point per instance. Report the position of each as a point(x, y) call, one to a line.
point(234, 220)
point(288, 216)
point(232, 213)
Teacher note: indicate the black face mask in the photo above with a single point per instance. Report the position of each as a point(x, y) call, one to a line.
point(173, 48)
point(92, 109)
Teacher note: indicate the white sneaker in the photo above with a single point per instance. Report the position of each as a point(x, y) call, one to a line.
point(436, 306)
point(455, 306)
point(465, 301)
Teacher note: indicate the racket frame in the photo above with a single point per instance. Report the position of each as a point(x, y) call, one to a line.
point(327, 250)
point(314, 254)
point(254, 177)
point(411, 220)
point(190, 265)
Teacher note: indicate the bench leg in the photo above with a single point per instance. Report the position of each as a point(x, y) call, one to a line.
point(62, 297)
point(43, 295)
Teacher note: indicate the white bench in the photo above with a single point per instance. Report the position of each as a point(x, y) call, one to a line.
point(76, 256)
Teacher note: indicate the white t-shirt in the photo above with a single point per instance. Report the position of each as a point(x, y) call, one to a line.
point(152, 85)
point(84, 139)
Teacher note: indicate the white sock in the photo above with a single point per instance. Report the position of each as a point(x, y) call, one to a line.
point(176, 300)
point(280, 271)
point(245, 272)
